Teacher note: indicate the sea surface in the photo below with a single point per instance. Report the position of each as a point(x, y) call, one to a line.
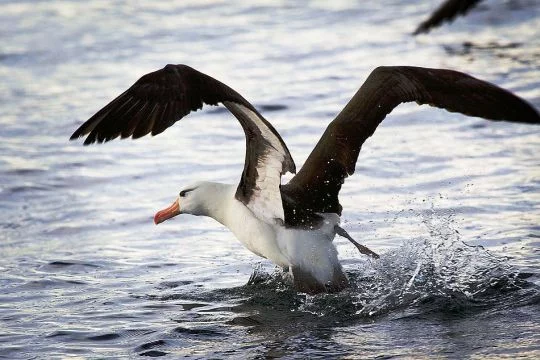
point(451, 203)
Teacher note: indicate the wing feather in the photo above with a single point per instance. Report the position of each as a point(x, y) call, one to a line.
point(159, 99)
point(318, 182)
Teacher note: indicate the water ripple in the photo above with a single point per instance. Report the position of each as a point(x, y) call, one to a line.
point(448, 201)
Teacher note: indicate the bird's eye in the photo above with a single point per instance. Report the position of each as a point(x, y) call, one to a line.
point(183, 193)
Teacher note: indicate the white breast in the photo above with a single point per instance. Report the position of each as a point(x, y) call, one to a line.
point(256, 235)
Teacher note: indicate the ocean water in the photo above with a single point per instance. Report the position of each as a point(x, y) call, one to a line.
point(451, 203)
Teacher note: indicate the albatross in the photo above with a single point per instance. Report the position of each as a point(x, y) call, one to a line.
point(291, 224)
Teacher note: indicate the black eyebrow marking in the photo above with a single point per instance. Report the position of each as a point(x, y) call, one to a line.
point(184, 192)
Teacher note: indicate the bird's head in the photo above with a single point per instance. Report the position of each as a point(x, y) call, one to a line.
point(190, 200)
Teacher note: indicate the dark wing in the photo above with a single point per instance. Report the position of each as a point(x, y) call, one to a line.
point(446, 12)
point(161, 98)
point(334, 157)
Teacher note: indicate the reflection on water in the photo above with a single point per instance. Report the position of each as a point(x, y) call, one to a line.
point(449, 202)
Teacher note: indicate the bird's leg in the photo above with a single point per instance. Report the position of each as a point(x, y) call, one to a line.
point(363, 249)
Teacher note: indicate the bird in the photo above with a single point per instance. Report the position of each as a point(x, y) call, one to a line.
point(291, 224)
point(447, 11)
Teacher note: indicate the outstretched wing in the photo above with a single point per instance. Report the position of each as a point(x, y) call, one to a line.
point(446, 12)
point(318, 182)
point(161, 98)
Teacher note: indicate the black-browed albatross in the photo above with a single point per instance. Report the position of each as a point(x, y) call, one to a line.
point(292, 224)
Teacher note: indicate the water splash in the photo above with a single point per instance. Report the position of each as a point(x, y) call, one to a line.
point(438, 273)
point(440, 268)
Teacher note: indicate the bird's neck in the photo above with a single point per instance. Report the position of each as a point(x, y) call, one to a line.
point(217, 202)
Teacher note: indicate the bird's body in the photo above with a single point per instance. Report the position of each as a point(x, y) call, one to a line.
point(292, 224)
point(307, 252)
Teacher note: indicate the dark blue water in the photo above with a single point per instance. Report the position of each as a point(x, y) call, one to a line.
point(451, 203)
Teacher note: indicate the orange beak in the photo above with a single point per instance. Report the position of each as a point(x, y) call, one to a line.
point(167, 213)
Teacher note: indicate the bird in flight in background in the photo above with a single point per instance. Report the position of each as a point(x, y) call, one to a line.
point(292, 224)
point(447, 11)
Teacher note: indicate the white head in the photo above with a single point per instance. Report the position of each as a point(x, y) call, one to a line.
point(201, 198)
